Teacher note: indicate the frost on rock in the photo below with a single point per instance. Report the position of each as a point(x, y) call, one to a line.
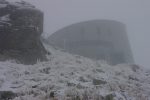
point(71, 77)
point(21, 25)
point(63, 76)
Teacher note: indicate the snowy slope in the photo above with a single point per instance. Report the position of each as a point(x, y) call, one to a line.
point(67, 75)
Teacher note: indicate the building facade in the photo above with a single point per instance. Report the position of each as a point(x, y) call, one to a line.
point(97, 39)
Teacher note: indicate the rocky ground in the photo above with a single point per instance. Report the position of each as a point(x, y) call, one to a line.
point(72, 77)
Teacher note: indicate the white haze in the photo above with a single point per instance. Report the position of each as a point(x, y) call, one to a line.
point(134, 13)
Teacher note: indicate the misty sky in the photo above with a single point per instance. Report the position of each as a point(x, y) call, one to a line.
point(134, 13)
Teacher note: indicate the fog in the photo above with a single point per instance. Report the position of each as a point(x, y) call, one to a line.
point(134, 13)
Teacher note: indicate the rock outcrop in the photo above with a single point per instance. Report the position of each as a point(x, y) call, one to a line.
point(21, 25)
point(7, 95)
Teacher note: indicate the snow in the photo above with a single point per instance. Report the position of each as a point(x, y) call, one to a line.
point(5, 18)
point(22, 5)
point(65, 73)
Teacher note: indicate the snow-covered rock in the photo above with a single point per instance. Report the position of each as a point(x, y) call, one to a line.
point(72, 76)
point(21, 25)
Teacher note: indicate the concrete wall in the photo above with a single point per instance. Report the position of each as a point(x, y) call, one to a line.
point(97, 39)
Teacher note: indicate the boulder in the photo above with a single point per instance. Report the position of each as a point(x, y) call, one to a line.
point(21, 26)
point(7, 95)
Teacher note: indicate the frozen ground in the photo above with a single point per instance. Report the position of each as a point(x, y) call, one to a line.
point(71, 75)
